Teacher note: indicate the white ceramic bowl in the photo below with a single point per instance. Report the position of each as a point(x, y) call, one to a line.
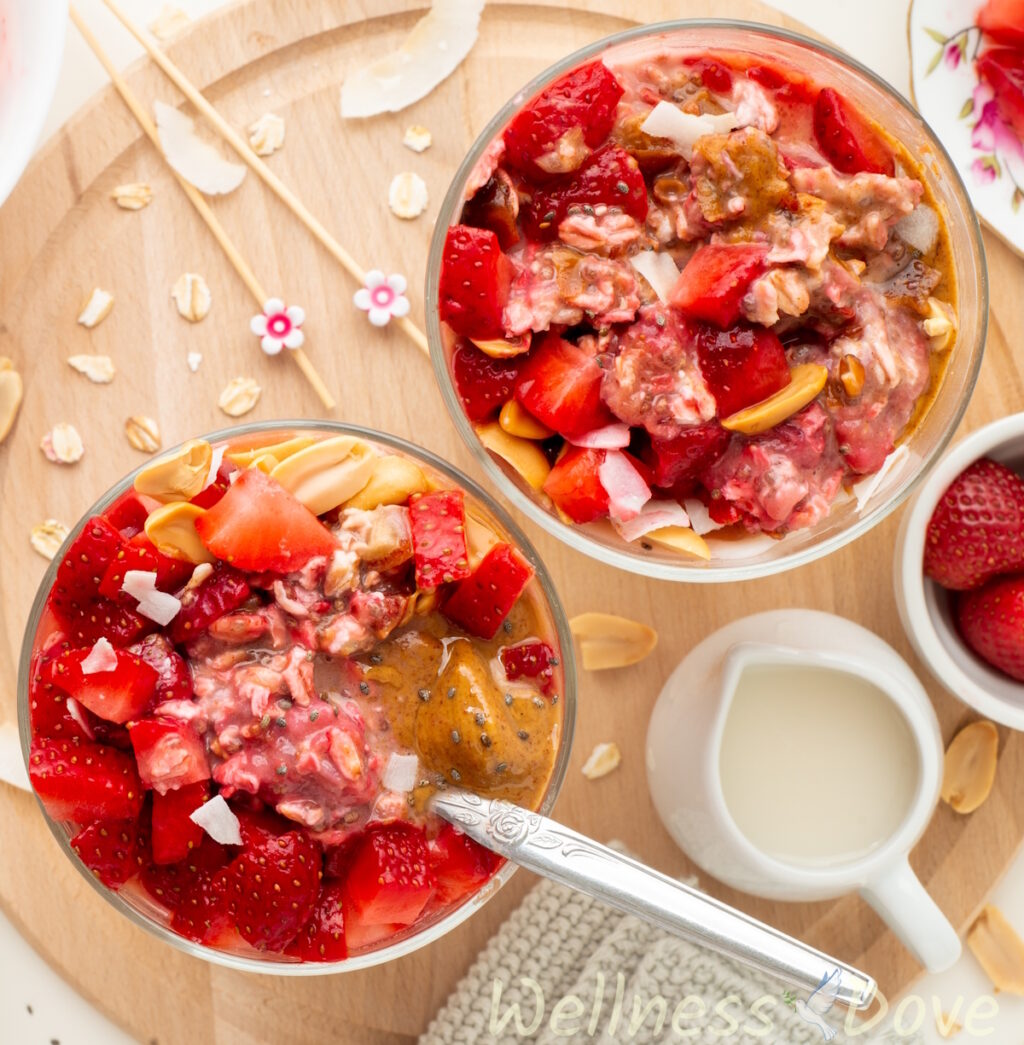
point(31, 48)
point(926, 609)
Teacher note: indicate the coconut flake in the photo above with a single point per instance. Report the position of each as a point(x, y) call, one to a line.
point(76, 712)
point(666, 120)
point(611, 437)
point(625, 486)
point(12, 764)
point(430, 53)
point(218, 821)
point(653, 516)
point(101, 658)
point(700, 518)
point(867, 488)
point(194, 359)
point(919, 229)
point(195, 160)
point(215, 462)
point(157, 605)
point(401, 773)
point(659, 269)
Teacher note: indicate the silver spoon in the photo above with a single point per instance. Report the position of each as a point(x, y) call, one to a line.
point(548, 848)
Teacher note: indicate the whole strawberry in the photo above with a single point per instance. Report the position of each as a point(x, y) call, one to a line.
point(991, 622)
point(977, 529)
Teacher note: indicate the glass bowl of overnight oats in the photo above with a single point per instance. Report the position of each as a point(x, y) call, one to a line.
point(252, 664)
point(706, 299)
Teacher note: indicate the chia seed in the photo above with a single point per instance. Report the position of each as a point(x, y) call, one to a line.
point(364, 688)
point(622, 187)
point(456, 775)
point(506, 626)
point(456, 736)
point(508, 699)
point(480, 718)
point(554, 662)
point(282, 770)
point(313, 716)
point(264, 722)
point(485, 740)
point(424, 695)
point(284, 704)
point(451, 692)
point(660, 319)
point(376, 658)
point(282, 722)
point(537, 702)
point(523, 735)
point(501, 767)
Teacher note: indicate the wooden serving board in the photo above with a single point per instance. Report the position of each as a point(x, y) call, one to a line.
point(60, 235)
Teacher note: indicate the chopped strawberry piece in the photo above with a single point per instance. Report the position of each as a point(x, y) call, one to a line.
point(110, 850)
point(712, 75)
point(361, 935)
point(128, 514)
point(460, 865)
point(390, 881)
point(577, 109)
point(484, 384)
point(193, 890)
point(100, 618)
point(681, 459)
point(560, 385)
point(573, 484)
point(322, 938)
point(438, 522)
point(81, 781)
point(259, 525)
point(215, 491)
point(1003, 70)
point(1003, 21)
point(474, 283)
point(174, 680)
point(723, 512)
point(82, 568)
point(611, 177)
point(991, 621)
point(712, 285)
point(741, 366)
point(272, 887)
point(48, 713)
point(533, 659)
point(977, 528)
point(483, 600)
point(139, 554)
point(223, 591)
point(123, 693)
point(169, 753)
point(846, 139)
point(174, 834)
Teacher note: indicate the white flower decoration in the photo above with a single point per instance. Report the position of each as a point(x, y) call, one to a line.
point(382, 297)
point(278, 327)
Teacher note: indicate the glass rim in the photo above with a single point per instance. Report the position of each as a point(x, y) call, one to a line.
point(573, 536)
point(476, 900)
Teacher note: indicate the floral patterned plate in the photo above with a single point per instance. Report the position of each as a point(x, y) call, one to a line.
point(944, 42)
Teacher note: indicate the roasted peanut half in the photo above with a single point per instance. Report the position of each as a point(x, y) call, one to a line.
point(806, 381)
point(327, 473)
point(393, 481)
point(244, 458)
point(522, 454)
point(177, 476)
point(999, 950)
point(970, 766)
point(517, 421)
point(603, 760)
point(11, 391)
point(480, 538)
point(172, 529)
point(608, 641)
point(505, 348)
point(851, 375)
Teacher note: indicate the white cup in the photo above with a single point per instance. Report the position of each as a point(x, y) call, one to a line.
point(683, 743)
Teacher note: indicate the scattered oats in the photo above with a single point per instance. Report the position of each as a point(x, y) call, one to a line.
point(603, 759)
point(194, 359)
point(170, 22)
point(47, 537)
point(96, 309)
point(62, 444)
point(239, 396)
point(133, 195)
point(143, 433)
point(192, 296)
point(417, 138)
point(98, 369)
point(10, 396)
point(266, 135)
point(407, 196)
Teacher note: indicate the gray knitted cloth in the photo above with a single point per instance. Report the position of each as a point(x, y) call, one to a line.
point(565, 967)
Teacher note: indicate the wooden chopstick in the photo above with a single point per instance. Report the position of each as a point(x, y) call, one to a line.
point(270, 179)
point(198, 201)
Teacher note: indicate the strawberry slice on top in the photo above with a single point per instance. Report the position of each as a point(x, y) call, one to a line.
point(85, 782)
point(846, 139)
point(460, 865)
point(712, 285)
point(173, 833)
point(390, 880)
point(322, 938)
point(574, 484)
point(474, 283)
point(484, 599)
point(560, 385)
point(741, 366)
point(258, 525)
point(110, 850)
point(169, 754)
point(83, 566)
point(484, 384)
point(120, 685)
point(438, 523)
point(532, 659)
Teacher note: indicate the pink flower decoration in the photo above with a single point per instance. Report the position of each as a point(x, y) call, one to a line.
point(983, 170)
point(278, 327)
point(382, 297)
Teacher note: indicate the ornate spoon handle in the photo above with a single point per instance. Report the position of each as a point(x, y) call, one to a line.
point(549, 849)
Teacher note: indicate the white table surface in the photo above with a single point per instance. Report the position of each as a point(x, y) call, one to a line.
point(38, 1008)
